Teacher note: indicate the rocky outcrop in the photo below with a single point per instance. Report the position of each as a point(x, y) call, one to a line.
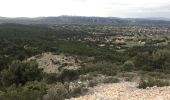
point(53, 63)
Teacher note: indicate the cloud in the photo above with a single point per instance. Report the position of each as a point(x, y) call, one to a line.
point(116, 8)
point(143, 8)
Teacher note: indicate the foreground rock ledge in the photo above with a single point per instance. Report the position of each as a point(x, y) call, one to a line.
point(125, 91)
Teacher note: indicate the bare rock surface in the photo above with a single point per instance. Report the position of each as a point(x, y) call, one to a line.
point(125, 91)
point(52, 63)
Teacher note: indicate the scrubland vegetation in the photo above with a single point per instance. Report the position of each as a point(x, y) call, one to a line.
point(24, 80)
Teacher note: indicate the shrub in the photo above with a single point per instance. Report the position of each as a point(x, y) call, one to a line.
point(152, 82)
point(93, 83)
point(68, 75)
point(128, 76)
point(111, 80)
point(158, 75)
point(143, 61)
point(30, 91)
point(50, 78)
point(105, 68)
point(161, 59)
point(20, 73)
point(128, 66)
point(78, 91)
point(57, 92)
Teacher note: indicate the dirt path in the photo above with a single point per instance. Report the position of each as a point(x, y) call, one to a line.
point(125, 91)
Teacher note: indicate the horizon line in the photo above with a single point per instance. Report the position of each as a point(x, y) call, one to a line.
point(84, 16)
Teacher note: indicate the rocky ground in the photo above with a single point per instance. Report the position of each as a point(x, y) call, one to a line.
point(52, 63)
point(125, 91)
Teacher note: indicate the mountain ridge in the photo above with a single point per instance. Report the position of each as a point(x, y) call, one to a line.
point(84, 20)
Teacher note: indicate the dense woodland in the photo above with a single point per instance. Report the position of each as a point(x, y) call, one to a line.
point(23, 80)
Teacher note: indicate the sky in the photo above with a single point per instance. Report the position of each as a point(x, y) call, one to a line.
point(102, 8)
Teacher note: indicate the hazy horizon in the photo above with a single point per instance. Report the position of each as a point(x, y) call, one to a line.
point(94, 8)
point(86, 16)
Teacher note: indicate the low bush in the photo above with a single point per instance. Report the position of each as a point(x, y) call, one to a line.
point(78, 91)
point(50, 78)
point(152, 82)
point(30, 91)
point(57, 92)
point(105, 68)
point(128, 66)
point(111, 80)
point(128, 75)
point(20, 72)
point(93, 83)
point(68, 75)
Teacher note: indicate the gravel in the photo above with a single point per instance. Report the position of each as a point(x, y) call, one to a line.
point(125, 91)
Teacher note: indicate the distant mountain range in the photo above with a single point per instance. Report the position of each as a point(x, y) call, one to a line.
point(158, 18)
point(85, 20)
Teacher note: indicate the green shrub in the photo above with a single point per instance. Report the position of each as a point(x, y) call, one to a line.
point(128, 66)
point(111, 80)
point(50, 78)
point(20, 73)
point(68, 75)
point(105, 68)
point(128, 75)
point(57, 92)
point(159, 75)
point(152, 82)
point(161, 59)
point(93, 83)
point(30, 91)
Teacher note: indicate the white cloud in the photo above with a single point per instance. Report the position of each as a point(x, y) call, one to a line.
point(117, 8)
